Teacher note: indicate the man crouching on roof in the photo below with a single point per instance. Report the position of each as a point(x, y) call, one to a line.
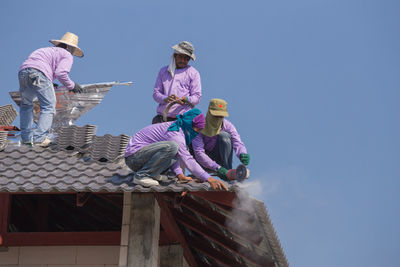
point(158, 147)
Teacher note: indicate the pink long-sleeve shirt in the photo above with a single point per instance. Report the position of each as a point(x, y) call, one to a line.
point(204, 143)
point(186, 82)
point(54, 62)
point(159, 132)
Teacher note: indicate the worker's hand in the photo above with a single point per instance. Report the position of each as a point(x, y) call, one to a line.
point(78, 89)
point(216, 184)
point(183, 178)
point(170, 98)
point(244, 158)
point(222, 172)
point(182, 100)
point(55, 85)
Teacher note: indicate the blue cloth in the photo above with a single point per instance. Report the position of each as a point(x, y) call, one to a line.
point(185, 121)
point(33, 83)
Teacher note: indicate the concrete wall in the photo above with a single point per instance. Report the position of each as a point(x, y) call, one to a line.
point(60, 256)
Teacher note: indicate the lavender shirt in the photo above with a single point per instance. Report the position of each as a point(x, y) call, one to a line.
point(159, 132)
point(203, 142)
point(54, 62)
point(186, 82)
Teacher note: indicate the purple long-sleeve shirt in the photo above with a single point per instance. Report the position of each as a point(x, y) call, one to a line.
point(186, 82)
point(204, 143)
point(54, 62)
point(159, 132)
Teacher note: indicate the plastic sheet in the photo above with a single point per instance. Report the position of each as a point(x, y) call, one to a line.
point(71, 106)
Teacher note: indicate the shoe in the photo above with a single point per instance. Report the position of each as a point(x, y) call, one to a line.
point(145, 181)
point(30, 144)
point(45, 143)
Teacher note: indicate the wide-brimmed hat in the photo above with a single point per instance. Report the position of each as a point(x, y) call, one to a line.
point(185, 48)
point(71, 40)
point(217, 107)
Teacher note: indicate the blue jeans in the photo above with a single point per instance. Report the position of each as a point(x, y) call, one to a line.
point(222, 153)
point(34, 84)
point(152, 160)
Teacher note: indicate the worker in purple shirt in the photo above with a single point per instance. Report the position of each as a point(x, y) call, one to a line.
point(178, 82)
point(36, 76)
point(158, 147)
point(213, 147)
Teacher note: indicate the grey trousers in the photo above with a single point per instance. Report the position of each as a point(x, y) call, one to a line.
point(153, 159)
point(223, 150)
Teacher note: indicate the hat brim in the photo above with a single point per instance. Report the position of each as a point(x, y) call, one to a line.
point(76, 52)
point(181, 51)
point(219, 113)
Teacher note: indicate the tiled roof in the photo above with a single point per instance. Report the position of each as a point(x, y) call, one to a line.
point(7, 114)
point(79, 162)
point(25, 169)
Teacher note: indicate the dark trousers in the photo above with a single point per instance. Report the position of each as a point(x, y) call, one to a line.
point(159, 119)
point(223, 150)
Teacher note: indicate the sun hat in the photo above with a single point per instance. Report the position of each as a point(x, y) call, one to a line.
point(185, 48)
point(71, 40)
point(217, 107)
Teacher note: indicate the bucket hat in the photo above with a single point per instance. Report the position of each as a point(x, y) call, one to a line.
point(217, 107)
point(185, 48)
point(71, 40)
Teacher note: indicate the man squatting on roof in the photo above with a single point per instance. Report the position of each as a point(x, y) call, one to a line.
point(177, 82)
point(158, 147)
point(213, 147)
point(36, 76)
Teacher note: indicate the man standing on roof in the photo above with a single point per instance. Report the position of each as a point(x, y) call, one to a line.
point(36, 76)
point(178, 82)
point(158, 147)
point(213, 147)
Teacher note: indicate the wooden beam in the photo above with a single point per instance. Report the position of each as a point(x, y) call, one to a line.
point(4, 217)
point(220, 197)
point(204, 247)
point(172, 229)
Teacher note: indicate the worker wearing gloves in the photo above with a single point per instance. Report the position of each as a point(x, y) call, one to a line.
point(178, 82)
point(158, 147)
point(36, 76)
point(214, 146)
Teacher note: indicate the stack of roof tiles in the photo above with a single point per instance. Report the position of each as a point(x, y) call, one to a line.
point(3, 139)
point(75, 138)
point(7, 114)
point(108, 148)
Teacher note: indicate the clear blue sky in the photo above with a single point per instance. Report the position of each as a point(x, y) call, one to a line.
point(312, 86)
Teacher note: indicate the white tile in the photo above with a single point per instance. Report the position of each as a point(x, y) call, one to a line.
point(127, 198)
point(97, 255)
point(124, 235)
point(47, 255)
point(126, 214)
point(123, 256)
point(9, 256)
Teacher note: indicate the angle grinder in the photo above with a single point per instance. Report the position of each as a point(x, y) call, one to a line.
point(239, 174)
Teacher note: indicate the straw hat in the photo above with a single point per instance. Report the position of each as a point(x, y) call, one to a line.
point(71, 40)
point(217, 107)
point(185, 48)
